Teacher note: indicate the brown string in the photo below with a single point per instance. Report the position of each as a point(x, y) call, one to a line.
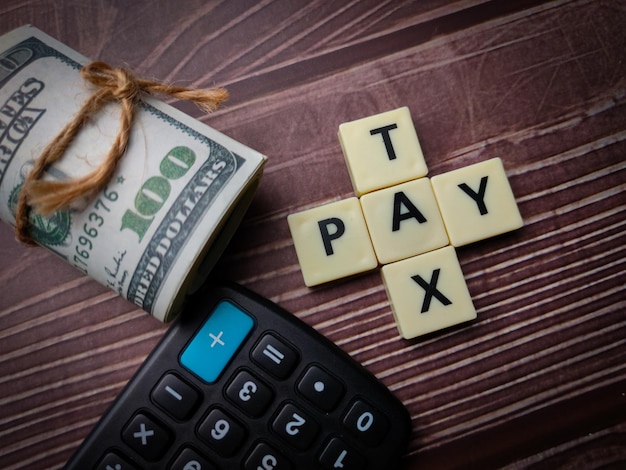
point(118, 84)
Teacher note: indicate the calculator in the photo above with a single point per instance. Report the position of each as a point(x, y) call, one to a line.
point(239, 383)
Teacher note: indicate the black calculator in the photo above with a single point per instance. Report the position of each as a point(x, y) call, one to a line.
point(239, 383)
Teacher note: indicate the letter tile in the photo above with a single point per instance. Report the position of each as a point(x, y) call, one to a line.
point(382, 150)
point(476, 202)
point(404, 220)
point(332, 241)
point(427, 293)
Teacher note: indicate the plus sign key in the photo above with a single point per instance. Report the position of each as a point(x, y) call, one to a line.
point(217, 341)
point(147, 437)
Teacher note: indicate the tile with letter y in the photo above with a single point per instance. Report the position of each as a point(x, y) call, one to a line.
point(476, 202)
point(382, 150)
point(332, 241)
point(404, 220)
point(428, 293)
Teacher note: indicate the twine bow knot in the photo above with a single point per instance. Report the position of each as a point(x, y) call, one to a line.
point(120, 82)
point(114, 84)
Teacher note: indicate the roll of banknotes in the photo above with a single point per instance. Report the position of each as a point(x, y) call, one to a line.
point(155, 231)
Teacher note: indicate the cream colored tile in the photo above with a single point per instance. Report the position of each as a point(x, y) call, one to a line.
point(382, 150)
point(476, 202)
point(404, 220)
point(332, 241)
point(428, 293)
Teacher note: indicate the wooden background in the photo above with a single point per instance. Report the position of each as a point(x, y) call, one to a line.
point(539, 380)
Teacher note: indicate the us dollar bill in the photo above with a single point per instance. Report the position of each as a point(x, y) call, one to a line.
point(154, 232)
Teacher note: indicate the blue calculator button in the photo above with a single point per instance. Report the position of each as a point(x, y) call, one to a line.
point(214, 345)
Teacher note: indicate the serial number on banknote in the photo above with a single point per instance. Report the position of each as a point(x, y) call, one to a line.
point(95, 221)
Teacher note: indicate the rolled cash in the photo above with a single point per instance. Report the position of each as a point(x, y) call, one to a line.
point(154, 232)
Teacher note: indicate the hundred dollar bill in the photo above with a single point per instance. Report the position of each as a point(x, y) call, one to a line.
point(160, 224)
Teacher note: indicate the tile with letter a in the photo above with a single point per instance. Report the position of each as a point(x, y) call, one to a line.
point(404, 220)
point(476, 202)
point(428, 293)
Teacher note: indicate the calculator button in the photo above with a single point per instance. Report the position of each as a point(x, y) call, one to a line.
point(320, 388)
point(214, 345)
point(222, 432)
point(337, 454)
point(146, 437)
point(295, 427)
point(275, 356)
point(266, 458)
point(175, 396)
point(115, 461)
point(189, 459)
point(366, 423)
point(249, 394)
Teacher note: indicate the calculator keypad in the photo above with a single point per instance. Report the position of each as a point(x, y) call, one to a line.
point(245, 392)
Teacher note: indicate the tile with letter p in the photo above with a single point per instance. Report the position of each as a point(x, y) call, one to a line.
point(428, 293)
point(382, 150)
point(332, 241)
point(476, 202)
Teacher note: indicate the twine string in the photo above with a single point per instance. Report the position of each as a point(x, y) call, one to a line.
point(113, 84)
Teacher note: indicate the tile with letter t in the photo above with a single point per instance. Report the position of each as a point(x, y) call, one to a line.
point(428, 293)
point(382, 150)
point(404, 220)
point(332, 241)
point(476, 202)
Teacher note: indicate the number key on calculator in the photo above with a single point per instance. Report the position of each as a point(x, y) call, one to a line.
point(239, 383)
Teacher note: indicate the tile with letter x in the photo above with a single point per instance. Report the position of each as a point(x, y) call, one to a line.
point(428, 292)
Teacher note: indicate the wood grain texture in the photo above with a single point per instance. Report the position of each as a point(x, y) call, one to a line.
point(539, 380)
